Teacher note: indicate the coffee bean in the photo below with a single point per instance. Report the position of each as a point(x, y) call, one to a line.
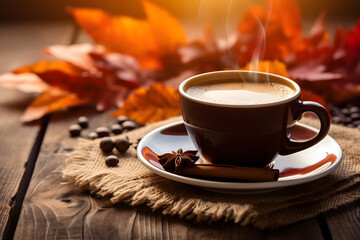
point(122, 144)
point(351, 125)
point(75, 130)
point(103, 131)
point(112, 160)
point(356, 123)
point(345, 111)
point(121, 119)
point(106, 145)
point(336, 119)
point(83, 122)
point(347, 120)
point(355, 116)
point(93, 135)
point(129, 125)
point(354, 109)
point(116, 129)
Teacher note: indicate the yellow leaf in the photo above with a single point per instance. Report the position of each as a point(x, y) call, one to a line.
point(275, 67)
point(156, 103)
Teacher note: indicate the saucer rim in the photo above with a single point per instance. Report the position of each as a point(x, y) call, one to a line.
point(236, 185)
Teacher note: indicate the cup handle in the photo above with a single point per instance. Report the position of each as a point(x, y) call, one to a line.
point(301, 107)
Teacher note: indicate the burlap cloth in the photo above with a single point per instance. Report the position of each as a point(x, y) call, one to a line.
point(134, 184)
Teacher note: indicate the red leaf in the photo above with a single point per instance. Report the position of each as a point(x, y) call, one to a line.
point(269, 33)
point(353, 46)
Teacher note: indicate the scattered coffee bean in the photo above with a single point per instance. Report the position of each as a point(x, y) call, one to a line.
point(83, 122)
point(122, 144)
point(75, 130)
point(103, 131)
point(356, 123)
point(121, 119)
point(354, 109)
point(348, 115)
point(336, 119)
point(116, 129)
point(345, 111)
point(129, 125)
point(347, 120)
point(93, 135)
point(355, 116)
point(106, 145)
point(112, 160)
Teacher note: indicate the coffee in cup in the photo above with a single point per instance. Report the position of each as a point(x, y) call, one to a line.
point(245, 118)
point(240, 93)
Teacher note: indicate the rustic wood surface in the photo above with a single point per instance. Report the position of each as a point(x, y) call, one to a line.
point(20, 44)
point(52, 209)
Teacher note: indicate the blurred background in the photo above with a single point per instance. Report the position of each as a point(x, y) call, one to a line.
point(344, 12)
point(20, 10)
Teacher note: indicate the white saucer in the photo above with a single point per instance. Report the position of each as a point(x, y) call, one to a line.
point(301, 167)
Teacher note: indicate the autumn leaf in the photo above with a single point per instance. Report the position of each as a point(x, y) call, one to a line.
point(353, 46)
point(76, 54)
point(46, 65)
point(106, 89)
point(331, 70)
point(25, 82)
point(155, 103)
point(275, 67)
point(313, 59)
point(206, 54)
point(269, 33)
point(148, 40)
point(51, 102)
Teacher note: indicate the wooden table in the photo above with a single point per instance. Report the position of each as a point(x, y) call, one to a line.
point(35, 205)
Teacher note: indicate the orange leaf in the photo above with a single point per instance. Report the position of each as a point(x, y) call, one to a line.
point(50, 102)
point(45, 65)
point(275, 67)
point(270, 33)
point(156, 103)
point(146, 40)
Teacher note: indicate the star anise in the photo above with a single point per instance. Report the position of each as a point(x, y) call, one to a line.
point(174, 161)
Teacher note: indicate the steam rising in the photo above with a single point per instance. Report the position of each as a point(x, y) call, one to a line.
point(219, 15)
point(220, 10)
point(261, 43)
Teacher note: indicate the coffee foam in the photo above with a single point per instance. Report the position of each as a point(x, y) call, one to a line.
point(240, 93)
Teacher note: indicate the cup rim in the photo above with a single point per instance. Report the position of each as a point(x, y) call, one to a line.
point(289, 99)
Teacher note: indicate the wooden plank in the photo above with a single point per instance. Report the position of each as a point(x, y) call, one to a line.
point(55, 210)
point(345, 223)
point(20, 44)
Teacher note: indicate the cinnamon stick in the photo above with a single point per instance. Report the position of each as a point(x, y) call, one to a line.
point(230, 172)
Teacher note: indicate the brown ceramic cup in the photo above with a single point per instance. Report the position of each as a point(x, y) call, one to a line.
point(247, 135)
